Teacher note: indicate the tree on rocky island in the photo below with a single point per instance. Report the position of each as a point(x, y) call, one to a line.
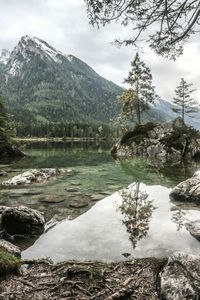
point(167, 24)
point(184, 100)
point(136, 100)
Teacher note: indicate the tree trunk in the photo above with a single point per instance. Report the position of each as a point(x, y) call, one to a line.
point(138, 103)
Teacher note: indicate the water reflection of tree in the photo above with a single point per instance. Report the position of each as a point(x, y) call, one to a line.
point(179, 218)
point(137, 211)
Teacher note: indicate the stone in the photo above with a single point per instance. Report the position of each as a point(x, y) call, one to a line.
point(188, 190)
point(167, 142)
point(3, 173)
point(96, 197)
point(106, 193)
point(194, 228)
point(78, 204)
point(72, 190)
point(22, 220)
point(68, 172)
point(31, 176)
point(10, 248)
point(180, 278)
point(76, 183)
point(52, 199)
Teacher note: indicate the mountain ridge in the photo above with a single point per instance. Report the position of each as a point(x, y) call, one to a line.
point(41, 84)
point(40, 80)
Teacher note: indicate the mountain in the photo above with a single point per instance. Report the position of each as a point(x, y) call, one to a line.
point(162, 111)
point(41, 84)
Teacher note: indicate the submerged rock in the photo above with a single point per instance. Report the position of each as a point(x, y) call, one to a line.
point(194, 228)
point(188, 190)
point(52, 199)
point(78, 204)
point(10, 248)
point(180, 279)
point(97, 197)
point(34, 175)
point(168, 142)
point(22, 220)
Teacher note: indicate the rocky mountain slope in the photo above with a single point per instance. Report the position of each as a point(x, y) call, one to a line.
point(41, 84)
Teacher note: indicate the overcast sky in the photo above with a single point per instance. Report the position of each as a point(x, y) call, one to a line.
point(64, 25)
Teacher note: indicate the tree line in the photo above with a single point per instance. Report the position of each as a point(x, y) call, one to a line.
point(64, 130)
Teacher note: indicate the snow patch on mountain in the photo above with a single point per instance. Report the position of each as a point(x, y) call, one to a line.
point(24, 51)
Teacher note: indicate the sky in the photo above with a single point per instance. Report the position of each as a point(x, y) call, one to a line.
point(64, 25)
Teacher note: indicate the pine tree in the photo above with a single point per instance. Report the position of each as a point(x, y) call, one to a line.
point(184, 99)
point(136, 99)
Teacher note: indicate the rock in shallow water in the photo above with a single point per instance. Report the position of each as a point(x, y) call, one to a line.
point(78, 204)
point(34, 175)
point(22, 220)
point(194, 228)
point(180, 279)
point(52, 199)
point(188, 190)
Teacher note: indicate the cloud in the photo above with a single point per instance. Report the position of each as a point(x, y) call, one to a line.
point(65, 26)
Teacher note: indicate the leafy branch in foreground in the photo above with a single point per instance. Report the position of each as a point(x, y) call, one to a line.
point(169, 23)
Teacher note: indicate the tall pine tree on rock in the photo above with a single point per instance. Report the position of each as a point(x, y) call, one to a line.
point(184, 100)
point(136, 100)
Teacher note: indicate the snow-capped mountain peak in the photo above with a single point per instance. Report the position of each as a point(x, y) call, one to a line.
point(27, 48)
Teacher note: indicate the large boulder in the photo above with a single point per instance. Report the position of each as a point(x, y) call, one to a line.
point(171, 141)
point(10, 248)
point(194, 228)
point(188, 190)
point(180, 279)
point(22, 220)
point(34, 175)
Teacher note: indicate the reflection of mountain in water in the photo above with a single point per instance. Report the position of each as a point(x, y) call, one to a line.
point(137, 211)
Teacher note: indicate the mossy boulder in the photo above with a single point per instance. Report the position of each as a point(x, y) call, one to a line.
point(9, 263)
point(171, 141)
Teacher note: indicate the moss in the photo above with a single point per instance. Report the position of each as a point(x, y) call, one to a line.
point(139, 133)
point(8, 263)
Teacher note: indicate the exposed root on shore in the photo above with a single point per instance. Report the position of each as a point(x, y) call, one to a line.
point(137, 280)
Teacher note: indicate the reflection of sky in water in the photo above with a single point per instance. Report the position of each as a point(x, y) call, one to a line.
point(99, 234)
point(97, 231)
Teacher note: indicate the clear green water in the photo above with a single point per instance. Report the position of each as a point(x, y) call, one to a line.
point(103, 225)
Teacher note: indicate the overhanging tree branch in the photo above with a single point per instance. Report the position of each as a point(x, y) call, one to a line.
point(169, 23)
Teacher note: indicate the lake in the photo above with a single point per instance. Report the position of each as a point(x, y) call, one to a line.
point(108, 210)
